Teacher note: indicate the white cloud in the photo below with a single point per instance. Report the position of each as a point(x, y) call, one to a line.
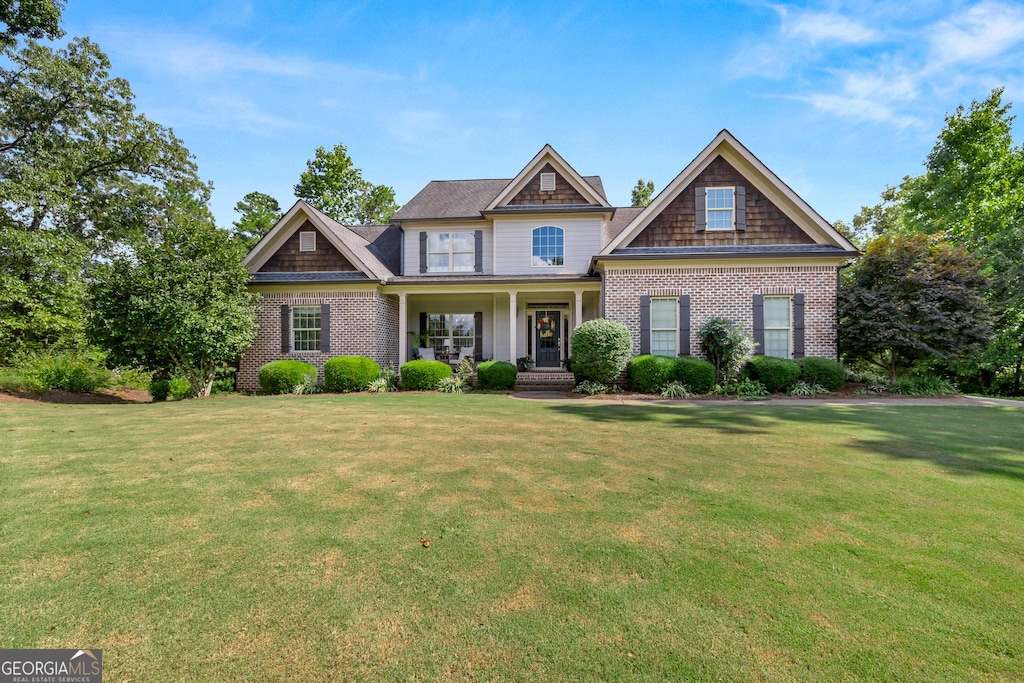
point(984, 31)
point(831, 27)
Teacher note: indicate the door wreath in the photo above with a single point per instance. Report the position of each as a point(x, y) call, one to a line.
point(546, 327)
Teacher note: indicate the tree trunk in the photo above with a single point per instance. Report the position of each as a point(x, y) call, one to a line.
point(1016, 378)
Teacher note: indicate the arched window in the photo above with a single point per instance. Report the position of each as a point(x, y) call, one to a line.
point(548, 246)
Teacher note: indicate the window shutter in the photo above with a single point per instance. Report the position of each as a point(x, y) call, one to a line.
point(645, 324)
point(423, 326)
point(286, 328)
point(478, 239)
point(478, 334)
point(423, 252)
point(700, 209)
point(759, 324)
point(684, 325)
point(325, 328)
point(741, 208)
point(798, 326)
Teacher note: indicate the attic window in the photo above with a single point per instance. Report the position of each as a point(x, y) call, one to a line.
point(307, 241)
point(720, 207)
point(547, 182)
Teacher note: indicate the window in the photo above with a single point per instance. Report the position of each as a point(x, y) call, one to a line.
point(451, 252)
point(306, 328)
point(720, 208)
point(456, 327)
point(664, 326)
point(547, 182)
point(777, 326)
point(307, 241)
point(548, 246)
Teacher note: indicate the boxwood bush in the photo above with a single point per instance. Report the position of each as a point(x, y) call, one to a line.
point(423, 375)
point(174, 389)
point(696, 373)
point(649, 374)
point(350, 373)
point(282, 376)
point(823, 371)
point(496, 375)
point(778, 375)
point(600, 351)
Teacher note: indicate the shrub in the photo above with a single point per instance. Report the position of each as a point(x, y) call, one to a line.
point(749, 390)
point(452, 384)
point(386, 383)
point(649, 374)
point(676, 389)
point(823, 371)
point(726, 346)
point(600, 350)
point(12, 379)
point(496, 375)
point(282, 376)
point(805, 389)
point(160, 389)
point(423, 375)
point(922, 385)
point(590, 388)
point(134, 378)
point(176, 389)
point(76, 371)
point(349, 373)
point(696, 373)
point(778, 375)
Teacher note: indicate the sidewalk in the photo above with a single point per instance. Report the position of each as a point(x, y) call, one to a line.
point(552, 396)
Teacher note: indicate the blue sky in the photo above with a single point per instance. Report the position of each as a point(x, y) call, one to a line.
point(840, 99)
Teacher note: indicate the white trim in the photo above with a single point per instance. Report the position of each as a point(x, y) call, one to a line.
point(451, 252)
point(731, 209)
point(307, 240)
point(788, 329)
point(547, 154)
point(547, 182)
point(546, 266)
point(674, 328)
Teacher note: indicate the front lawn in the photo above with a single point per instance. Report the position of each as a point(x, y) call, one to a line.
point(279, 538)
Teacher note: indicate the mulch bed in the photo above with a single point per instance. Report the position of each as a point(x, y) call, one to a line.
point(61, 396)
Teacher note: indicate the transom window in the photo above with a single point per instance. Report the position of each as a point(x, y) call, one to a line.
point(777, 326)
point(450, 329)
point(720, 208)
point(548, 246)
point(306, 328)
point(664, 326)
point(451, 252)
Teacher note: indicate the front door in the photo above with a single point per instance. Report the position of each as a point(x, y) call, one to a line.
point(548, 339)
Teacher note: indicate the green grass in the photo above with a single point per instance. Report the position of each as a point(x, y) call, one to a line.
point(278, 538)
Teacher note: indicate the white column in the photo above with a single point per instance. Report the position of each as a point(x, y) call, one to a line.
point(403, 328)
point(578, 319)
point(512, 327)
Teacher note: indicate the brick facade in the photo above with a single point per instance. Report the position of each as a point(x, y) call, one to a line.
point(564, 192)
point(363, 323)
point(728, 292)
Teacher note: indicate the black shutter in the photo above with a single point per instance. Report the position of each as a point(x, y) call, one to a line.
point(423, 252)
point(423, 327)
point(645, 324)
point(478, 239)
point(684, 325)
point(286, 328)
point(700, 209)
point(759, 324)
point(798, 326)
point(325, 328)
point(478, 334)
point(529, 335)
point(741, 208)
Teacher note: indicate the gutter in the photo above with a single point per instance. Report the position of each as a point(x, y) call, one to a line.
point(709, 255)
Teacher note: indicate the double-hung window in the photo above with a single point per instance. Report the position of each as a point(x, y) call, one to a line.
point(451, 252)
point(664, 326)
point(778, 326)
point(721, 208)
point(548, 246)
point(306, 328)
point(454, 329)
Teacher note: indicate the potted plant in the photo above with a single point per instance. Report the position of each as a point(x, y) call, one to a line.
point(524, 363)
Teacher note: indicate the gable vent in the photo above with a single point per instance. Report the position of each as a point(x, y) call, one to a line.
point(307, 241)
point(547, 182)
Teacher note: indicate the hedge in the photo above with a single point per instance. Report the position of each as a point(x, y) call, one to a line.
point(349, 373)
point(649, 374)
point(696, 373)
point(778, 375)
point(282, 376)
point(497, 375)
point(423, 375)
point(827, 373)
point(600, 351)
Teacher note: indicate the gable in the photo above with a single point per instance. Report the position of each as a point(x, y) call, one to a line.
point(532, 195)
point(570, 187)
point(289, 259)
point(675, 225)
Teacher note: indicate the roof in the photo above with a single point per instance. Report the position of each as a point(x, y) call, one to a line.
point(618, 222)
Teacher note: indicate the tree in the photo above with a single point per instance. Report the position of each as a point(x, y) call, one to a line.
point(912, 298)
point(30, 18)
point(334, 185)
point(643, 192)
point(177, 300)
point(259, 214)
point(726, 346)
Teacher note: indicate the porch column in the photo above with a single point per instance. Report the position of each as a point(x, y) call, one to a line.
point(403, 328)
point(512, 305)
point(578, 319)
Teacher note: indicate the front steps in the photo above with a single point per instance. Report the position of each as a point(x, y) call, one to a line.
point(545, 381)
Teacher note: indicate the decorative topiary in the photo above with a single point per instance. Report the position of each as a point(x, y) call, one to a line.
point(423, 375)
point(496, 375)
point(726, 346)
point(778, 375)
point(649, 374)
point(600, 351)
point(823, 371)
point(696, 373)
point(282, 376)
point(350, 373)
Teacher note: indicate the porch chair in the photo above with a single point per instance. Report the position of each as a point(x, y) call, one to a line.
point(426, 353)
point(466, 352)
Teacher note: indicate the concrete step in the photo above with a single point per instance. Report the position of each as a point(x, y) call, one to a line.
point(545, 381)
